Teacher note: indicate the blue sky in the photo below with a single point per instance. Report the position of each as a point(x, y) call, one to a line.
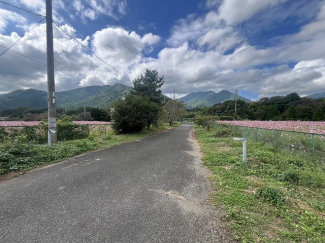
point(259, 47)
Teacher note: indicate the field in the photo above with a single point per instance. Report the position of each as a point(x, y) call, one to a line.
point(275, 196)
point(296, 126)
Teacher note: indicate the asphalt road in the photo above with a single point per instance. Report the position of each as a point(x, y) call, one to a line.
point(153, 190)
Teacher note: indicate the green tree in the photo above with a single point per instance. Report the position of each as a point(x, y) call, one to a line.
point(149, 86)
point(133, 114)
point(319, 115)
point(175, 109)
point(271, 112)
point(291, 113)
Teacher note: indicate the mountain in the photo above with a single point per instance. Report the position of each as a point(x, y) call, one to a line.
point(208, 98)
point(92, 96)
point(23, 98)
point(317, 95)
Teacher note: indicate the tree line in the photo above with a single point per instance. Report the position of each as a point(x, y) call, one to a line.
point(277, 108)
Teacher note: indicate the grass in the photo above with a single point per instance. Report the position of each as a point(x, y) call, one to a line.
point(274, 196)
point(23, 156)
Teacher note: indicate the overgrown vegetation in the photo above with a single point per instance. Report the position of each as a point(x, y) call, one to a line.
point(18, 155)
point(274, 196)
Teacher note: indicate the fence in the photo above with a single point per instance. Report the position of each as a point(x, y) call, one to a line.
point(309, 145)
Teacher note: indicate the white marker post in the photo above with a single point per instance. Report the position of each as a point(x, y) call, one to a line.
point(244, 146)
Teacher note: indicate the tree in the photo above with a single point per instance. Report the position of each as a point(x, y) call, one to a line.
point(318, 115)
point(133, 114)
point(291, 113)
point(175, 109)
point(271, 112)
point(149, 86)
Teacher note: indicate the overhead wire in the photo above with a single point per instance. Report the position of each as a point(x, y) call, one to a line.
point(22, 37)
point(85, 47)
point(41, 63)
point(22, 9)
point(137, 53)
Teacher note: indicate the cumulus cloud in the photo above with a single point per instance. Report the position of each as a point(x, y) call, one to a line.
point(8, 16)
point(237, 11)
point(204, 52)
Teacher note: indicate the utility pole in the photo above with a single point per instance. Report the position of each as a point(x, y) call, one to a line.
point(235, 115)
point(52, 134)
point(236, 92)
point(174, 94)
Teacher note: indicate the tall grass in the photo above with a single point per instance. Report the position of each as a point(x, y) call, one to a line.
point(275, 196)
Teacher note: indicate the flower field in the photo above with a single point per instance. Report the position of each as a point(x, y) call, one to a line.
point(296, 126)
point(36, 123)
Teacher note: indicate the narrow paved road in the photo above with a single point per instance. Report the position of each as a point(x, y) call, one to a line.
point(153, 190)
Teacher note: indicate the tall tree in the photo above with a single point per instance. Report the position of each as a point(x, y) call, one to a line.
point(318, 115)
point(149, 85)
point(271, 112)
point(291, 112)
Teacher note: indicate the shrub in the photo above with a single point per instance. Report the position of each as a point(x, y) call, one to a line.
point(290, 176)
point(271, 195)
point(67, 130)
point(134, 114)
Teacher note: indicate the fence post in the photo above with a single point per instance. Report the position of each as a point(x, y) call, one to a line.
point(313, 145)
point(256, 134)
point(276, 137)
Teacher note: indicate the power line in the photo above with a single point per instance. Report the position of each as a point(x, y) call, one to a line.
point(22, 9)
point(85, 47)
point(24, 55)
point(21, 37)
point(41, 63)
point(137, 53)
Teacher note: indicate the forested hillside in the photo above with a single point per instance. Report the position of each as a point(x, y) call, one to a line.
point(290, 107)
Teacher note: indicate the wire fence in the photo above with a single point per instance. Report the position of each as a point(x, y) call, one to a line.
point(308, 145)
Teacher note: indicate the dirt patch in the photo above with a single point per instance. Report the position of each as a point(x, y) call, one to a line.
point(222, 146)
point(10, 176)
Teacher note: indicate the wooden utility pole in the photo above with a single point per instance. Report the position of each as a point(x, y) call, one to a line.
point(52, 133)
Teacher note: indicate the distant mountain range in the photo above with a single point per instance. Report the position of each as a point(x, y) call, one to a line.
point(317, 95)
point(92, 96)
point(102, 96)
point(208, 98)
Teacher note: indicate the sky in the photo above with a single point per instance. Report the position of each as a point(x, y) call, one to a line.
point(261, 48)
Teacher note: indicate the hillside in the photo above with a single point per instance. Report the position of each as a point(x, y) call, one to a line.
point(317, 95)
point(23, 98)
point(92, 96)
point(208, 98)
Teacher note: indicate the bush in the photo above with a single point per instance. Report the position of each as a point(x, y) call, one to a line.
point(134, 114)
point(271, 195)
point(205, 121)
point(67, 130)
point(290, 176)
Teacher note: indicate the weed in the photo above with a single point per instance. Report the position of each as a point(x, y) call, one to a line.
point(276, 196)
point(290, 176)
point(271, 195)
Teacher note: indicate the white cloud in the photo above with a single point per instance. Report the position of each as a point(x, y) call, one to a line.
point(8, 16)
point(237, 11)
point(205, 52)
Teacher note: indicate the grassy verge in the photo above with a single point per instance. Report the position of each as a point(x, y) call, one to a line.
point(273, 197)
point(20, 156)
